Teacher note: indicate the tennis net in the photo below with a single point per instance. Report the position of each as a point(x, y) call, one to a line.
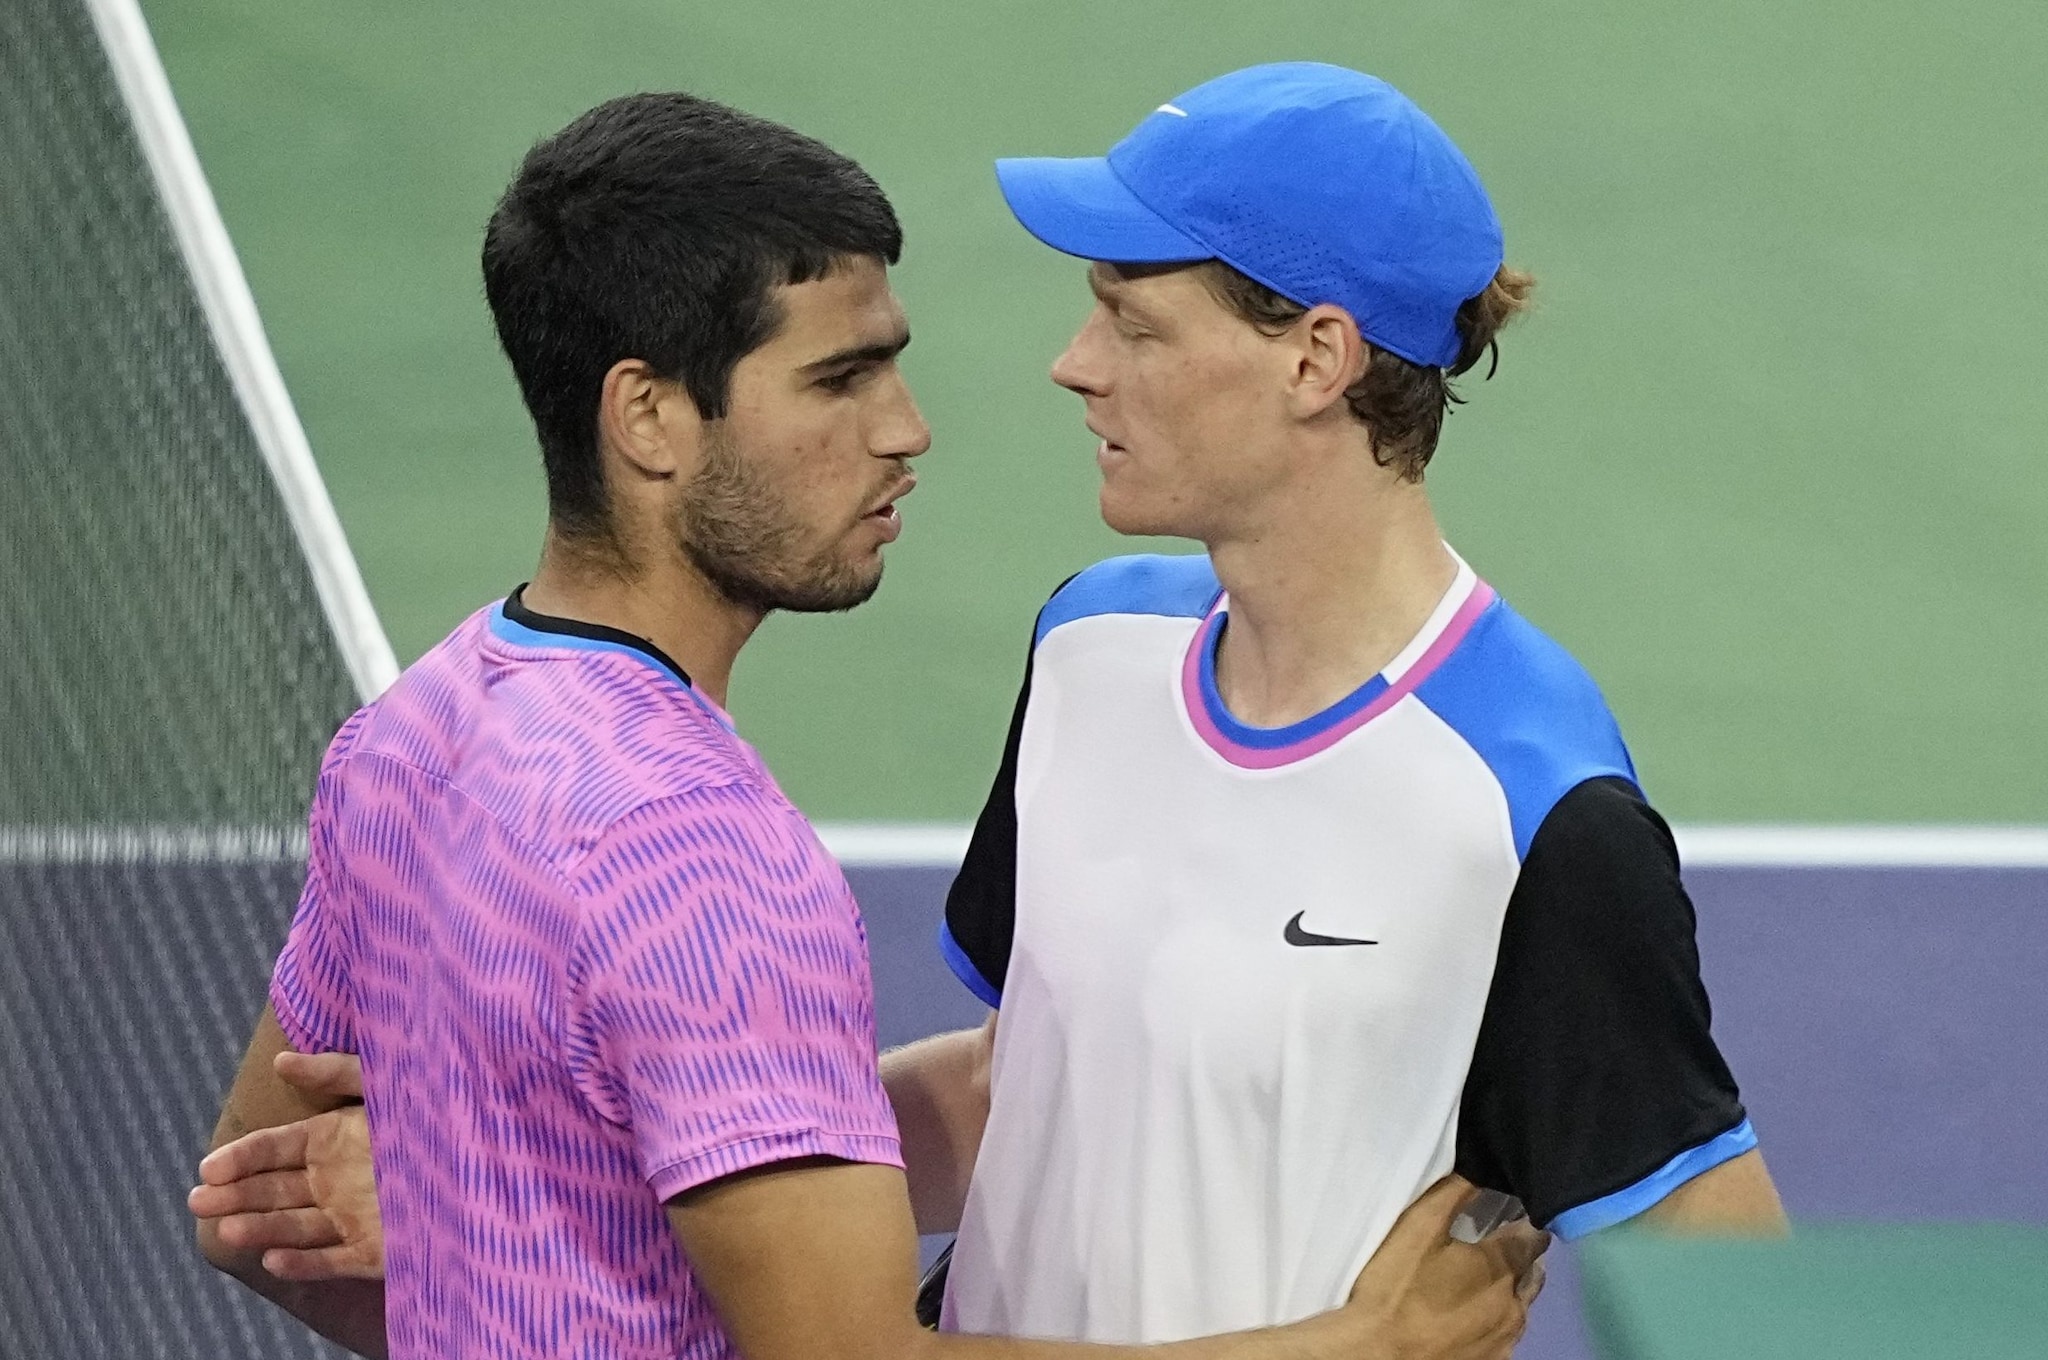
point(183, 631)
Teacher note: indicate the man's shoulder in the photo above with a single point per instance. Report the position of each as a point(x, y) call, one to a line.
point(1530, 710)
point(729, 872)
point(1142, 584)
point(607, 791)
point(429, 700)
point(747, 828)
point(1506, 652)
point(559, 750)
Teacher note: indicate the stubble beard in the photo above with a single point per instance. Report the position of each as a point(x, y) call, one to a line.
point(738, 532)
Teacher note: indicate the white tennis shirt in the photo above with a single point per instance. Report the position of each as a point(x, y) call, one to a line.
point(1260, 987)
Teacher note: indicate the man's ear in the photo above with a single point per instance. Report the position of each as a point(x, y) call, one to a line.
point(1329, 357)
point(650, 424)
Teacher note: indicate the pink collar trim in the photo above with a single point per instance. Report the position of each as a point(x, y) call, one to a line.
point(1320, 738)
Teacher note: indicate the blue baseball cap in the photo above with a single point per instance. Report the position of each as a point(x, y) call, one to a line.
point(1324, 184)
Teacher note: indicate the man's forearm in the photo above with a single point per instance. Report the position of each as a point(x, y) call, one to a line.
point(1331, 1336)
point(939, 1088)
point(349, 1313)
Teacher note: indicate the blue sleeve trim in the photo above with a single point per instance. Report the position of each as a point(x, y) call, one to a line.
point(1178, 587)
point(964, 969)
point(1648, 1192)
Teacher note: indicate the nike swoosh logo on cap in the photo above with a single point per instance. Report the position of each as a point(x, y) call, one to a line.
point(1168, 108)
point(1294, 934)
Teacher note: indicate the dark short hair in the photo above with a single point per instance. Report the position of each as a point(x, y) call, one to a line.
point(1401, 403)
point(655, 227)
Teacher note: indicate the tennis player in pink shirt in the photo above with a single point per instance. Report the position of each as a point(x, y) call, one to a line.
point(610, 994)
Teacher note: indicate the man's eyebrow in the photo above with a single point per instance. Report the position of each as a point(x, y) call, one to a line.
point(880, 352)
point(1103, 285)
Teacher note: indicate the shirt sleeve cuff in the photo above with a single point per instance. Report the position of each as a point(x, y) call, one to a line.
point(1646, 1193)
point(673, 1178)
point(304, 1035)
point(964, 969)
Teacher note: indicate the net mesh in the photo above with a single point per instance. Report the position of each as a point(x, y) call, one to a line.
point(167, 686)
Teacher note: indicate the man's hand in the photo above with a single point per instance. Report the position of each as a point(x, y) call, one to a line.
point(816, 1260)
point(303, 1193)
point(1430, 1297)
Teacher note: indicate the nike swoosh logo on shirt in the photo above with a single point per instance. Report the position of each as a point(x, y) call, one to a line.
point(1294, 934)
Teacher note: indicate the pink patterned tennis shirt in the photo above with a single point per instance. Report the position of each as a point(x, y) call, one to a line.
point(591, 957)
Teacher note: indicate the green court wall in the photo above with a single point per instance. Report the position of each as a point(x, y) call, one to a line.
point(1768, 458)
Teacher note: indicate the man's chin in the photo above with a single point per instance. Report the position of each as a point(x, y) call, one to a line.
point(1133, 521)
point(819, 590)
point(835, 595)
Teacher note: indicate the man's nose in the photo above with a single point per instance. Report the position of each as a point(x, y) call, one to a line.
point(1077, 368)
point(901, 431)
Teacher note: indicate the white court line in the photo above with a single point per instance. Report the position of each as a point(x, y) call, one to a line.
point(231, 314)
point(151, 844)
point(896, 845)
point(940, 845)
point(874, 845)
point(1857, 847)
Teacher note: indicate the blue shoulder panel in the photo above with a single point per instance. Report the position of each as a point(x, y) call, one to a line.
point(1178, 587)
point(1530, 711)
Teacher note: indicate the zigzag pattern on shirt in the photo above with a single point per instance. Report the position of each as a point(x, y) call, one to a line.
point(591, 957)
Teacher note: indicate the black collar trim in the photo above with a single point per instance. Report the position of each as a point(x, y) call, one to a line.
point(516, 610)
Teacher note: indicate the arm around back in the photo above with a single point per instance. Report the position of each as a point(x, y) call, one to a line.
point(817, 1260)
point(348, 1311)
point(939, 1089)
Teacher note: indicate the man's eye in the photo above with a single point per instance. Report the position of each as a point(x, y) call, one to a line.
point(844, 381)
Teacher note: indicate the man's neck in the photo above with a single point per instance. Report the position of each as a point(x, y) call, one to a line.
point(1323, 595)
point(666, 601)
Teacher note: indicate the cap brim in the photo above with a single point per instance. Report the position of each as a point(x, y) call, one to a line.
point(1082, 208)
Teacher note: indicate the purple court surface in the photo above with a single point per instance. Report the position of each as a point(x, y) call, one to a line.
point(1889, 1028)
point(1887, 1025)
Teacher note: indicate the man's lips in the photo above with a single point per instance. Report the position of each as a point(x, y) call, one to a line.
point(887, 504)
point(1109, 445)
point(884, 517)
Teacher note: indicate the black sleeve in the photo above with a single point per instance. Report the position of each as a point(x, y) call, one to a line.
point(981, 906)
point(1594, 1067)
